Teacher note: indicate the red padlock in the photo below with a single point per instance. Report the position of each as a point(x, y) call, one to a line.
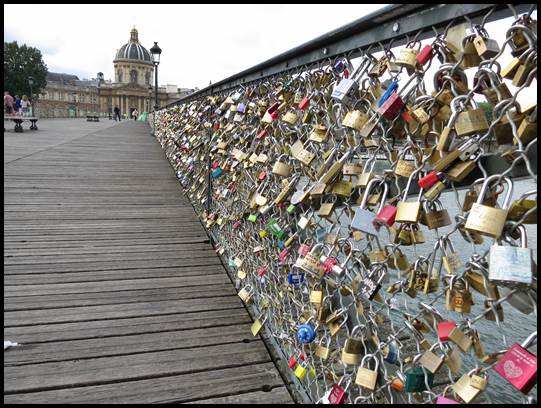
point(262, 176)
point(338, 395)
point(262, 271)
point(283, 255)
point(262, 134)
point(236, 225)
point(406, 116)
point(293, 359)
point(424, 55)
point(304, 103)
point(445, 328)
point(273, 108)
point(387, 216)
point(428, 180)
point(345, 73)
point(519, 366)
point(391, 106)
point(328, 264)
point(215, 165)
point(274, 115)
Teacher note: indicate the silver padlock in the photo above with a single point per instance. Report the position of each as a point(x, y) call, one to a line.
point(345, 90)
point(363, 218)
point(510, 264)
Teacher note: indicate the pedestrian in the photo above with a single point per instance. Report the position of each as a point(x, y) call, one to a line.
point(117, 113)
point(8, 103)
point(17, 104)
point(25, 105)
point(135, 114)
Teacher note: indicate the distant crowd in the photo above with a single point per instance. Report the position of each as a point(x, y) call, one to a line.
point(17, 105)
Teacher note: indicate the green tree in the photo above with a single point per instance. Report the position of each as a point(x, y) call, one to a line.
point(21, 62)
point(487, 109)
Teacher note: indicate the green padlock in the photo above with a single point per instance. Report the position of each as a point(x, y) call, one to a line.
point(252, 217)
point(415, 379)
point(290, 208)
point(275, 229)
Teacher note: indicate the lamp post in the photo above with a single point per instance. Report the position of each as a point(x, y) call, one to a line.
point(156, 52)
point(149, 98)
point(31, 82)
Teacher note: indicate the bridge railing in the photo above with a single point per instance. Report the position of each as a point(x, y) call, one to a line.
point(288, 169)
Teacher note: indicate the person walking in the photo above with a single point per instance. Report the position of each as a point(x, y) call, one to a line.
point(17, 104)
point(117, 113)
point(8, 103)
point(135, 114)
point(25, 105)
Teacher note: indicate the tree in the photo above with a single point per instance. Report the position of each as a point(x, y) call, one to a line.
point(21, 62)
point(487, 109)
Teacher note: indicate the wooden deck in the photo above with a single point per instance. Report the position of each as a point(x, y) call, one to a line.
point(110, 283)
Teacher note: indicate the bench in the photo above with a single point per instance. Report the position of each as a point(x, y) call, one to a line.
point(92, 118)
point(19, 122)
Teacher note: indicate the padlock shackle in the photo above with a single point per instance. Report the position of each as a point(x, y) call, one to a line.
point(508, 194)
point(530, 340)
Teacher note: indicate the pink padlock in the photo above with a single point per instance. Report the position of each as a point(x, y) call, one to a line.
point(304, 249)
point(283, 255)
point(442, 399)
point(519, 366)
point(262, 271)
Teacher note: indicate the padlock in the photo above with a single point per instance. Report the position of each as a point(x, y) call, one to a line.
point(487, 220)
point(295, 358)
point(407, 57)
point(369, 286)
point(464, 388)
point(431, 361)
point(486, 47)
point(442, 399)
point(385, 216)
point(435, 216)
point(424, 55)
point(353, 348)
point(520, 207)
point(511, 265)
point(306, 333)
point(518, 366)
point(246, 293)
point(338, 392)
point(450, 259)
point(398, 260)
point(367, 377)
point(417, 379)
point(318, 134)
point(281, 168)
point(463, 341)
point(301, 370)
point(363, 218)
point(310, 263)
point(458, 296)
point(470, 57)
point(345, 90)
point(471, 121)
point(355, 119)
point(445, 328)
point(409, 211)
point(326, 209)
point(527, 131)
point(322, 349)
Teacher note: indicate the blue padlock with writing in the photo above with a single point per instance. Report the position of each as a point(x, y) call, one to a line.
point(393, 87)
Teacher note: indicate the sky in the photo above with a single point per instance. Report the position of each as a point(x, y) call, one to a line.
point(200, 43)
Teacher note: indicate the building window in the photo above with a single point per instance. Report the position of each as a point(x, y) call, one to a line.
point(133, 75)
point(119, 73)
point(147, 78)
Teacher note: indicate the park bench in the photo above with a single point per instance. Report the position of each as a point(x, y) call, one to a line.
point(92, 118)
point(18, 120)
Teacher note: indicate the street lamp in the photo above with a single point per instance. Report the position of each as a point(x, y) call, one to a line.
point(149, 98)
point(156, 52)
point(31, 82)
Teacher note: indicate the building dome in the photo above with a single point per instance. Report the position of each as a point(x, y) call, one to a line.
point(133, 50)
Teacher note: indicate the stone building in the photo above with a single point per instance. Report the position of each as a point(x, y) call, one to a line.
point(67, 96)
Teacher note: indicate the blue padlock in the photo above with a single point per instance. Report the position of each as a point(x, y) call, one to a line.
point(393, 87)
point(216, 173)
point(295, 278)
point(306, 333)
point(392, 353)
point(281, 244)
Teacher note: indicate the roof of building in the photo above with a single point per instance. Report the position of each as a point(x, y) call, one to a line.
point(133, 50)
point(56, 77)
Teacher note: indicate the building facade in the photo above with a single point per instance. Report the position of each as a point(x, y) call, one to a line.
point(67, 96)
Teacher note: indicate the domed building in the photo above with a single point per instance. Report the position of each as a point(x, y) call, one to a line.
point(66, 95)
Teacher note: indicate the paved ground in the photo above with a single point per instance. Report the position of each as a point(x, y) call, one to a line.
point(110, 284)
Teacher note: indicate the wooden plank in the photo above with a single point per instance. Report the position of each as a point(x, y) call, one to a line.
point(124, 345)
point(128, 326)
point(278, 395)
point(37, 377)
point(12, 304)
point(111, 275)
point(109, 265)
point(174, 389)
point(86, 313)
point(111, 286)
